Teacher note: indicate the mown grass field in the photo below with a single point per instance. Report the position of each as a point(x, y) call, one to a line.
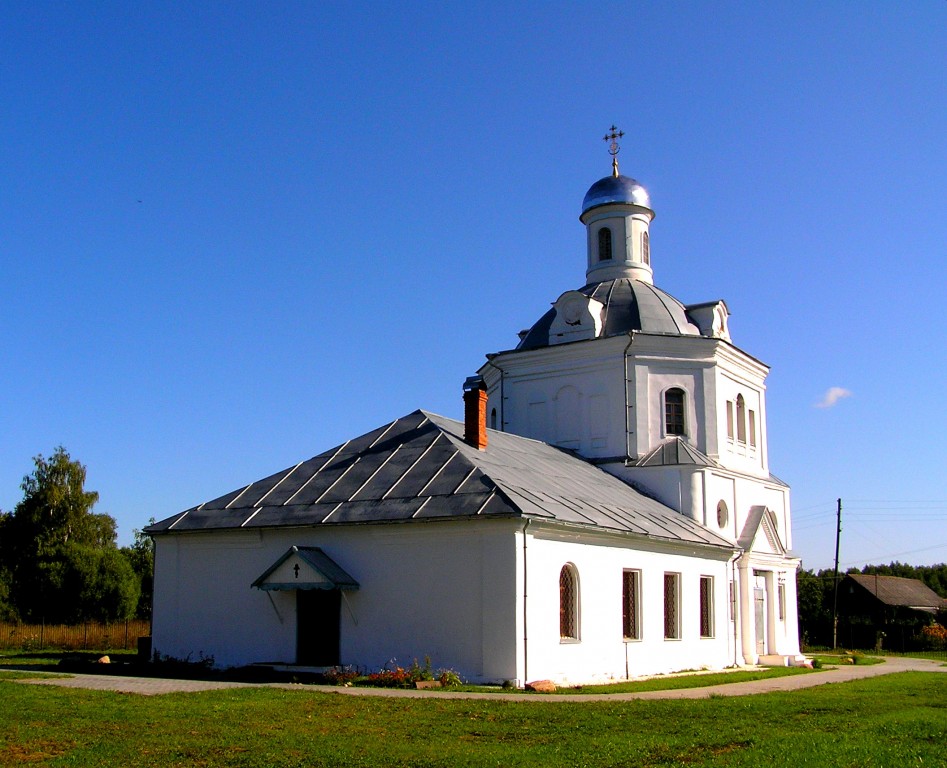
point(892, 721)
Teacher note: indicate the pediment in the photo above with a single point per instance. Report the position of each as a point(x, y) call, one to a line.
point(761, 532)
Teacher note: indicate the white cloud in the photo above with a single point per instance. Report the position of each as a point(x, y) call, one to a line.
point(832, 396)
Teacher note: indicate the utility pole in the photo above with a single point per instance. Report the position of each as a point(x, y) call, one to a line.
point(838, 536)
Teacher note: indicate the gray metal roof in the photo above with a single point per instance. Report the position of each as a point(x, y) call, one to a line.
point(674, 451)
point(629, 305)
point(900, 591)
point(419, 468)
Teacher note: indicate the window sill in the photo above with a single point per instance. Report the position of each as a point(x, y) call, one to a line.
point(630, 640)
point(569, 641)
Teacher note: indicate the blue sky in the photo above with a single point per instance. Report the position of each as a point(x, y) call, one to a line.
point(233, 235)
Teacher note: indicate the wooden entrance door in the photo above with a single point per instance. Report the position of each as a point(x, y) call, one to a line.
point(759, 598)
point(317, 627)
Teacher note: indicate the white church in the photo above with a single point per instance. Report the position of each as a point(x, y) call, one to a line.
point(605, 511)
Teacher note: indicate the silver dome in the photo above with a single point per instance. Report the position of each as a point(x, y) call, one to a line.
point(616, 189)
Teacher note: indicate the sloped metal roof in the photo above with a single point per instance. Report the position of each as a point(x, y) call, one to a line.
point(675, 450)
point(900, 591)
point(419, 468)
point(334, 576)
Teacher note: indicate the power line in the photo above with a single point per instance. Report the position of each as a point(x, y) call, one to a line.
point(896, 554)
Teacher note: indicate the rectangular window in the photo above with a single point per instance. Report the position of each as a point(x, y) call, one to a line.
point(631, 605)
point(733, 601)
point(672, 606)
point(782, 602)
point(706, 606)
point(752, 417)
point(730, 419)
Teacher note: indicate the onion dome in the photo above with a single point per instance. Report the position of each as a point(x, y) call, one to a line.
point(616, 189)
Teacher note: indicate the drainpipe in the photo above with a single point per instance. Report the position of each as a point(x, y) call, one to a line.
point(631, 339)
point(502, 423)
point(525, 614)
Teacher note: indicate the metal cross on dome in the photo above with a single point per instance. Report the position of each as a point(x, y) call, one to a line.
point(613, 148)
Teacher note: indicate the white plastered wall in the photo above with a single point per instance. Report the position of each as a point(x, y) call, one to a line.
point(601, 653)
point(444, 590)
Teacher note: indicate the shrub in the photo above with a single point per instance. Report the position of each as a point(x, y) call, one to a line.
point(399, 677)
point(934, 637)
point(448, 677)
point(341, 675)
point(405, 677)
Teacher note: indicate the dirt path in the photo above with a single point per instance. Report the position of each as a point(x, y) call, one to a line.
point(148, 686)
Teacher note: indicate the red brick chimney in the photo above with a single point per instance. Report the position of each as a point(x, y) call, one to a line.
point(475, 412)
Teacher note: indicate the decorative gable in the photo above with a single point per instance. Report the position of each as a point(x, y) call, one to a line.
point(760, 533)
point(577, 317)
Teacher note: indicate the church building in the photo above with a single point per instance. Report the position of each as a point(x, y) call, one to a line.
point(604, 511)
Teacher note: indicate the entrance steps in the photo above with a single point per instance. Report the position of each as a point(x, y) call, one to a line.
point(783, 660)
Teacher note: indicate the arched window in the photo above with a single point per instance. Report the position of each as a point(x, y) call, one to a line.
point(646, 248)
point(604, 244)
point(493, 418)
point(568, 603)
point(674, 412)
point(741, 419)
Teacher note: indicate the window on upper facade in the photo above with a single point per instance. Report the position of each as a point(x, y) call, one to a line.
point(741, 419)
point(723, 514)
point(706, 606)
point(631, 605)
point(751, 426)
point(674, 412)
point(604, 244)
point(493, 418)
point(568, 603)
point(646, 248)
point(672, 606)
point(730, 419)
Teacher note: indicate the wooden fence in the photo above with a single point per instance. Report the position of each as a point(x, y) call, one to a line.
point(32, 637)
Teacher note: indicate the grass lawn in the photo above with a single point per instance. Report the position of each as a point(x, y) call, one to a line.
point(895, 720)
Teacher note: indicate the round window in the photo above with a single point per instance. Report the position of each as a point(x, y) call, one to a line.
point(722, 514)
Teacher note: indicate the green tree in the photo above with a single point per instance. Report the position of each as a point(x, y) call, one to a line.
point(6, 608)
point(141, 557)
point(61, 557)
point(814, 596)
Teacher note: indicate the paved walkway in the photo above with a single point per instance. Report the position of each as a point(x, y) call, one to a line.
point(149, 686)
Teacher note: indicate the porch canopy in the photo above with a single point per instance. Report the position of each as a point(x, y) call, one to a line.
point(305, 568)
